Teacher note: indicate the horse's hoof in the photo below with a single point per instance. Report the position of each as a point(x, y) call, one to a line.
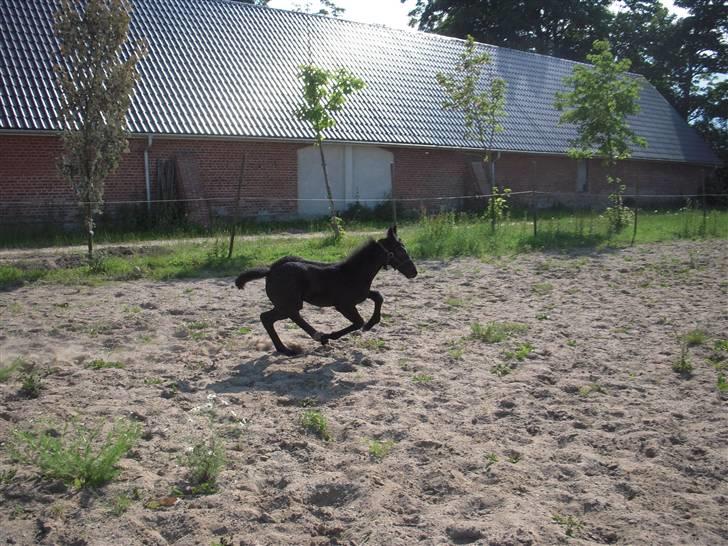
point(289, 352)
point(324, 339)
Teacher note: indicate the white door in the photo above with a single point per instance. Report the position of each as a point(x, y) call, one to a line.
point(356, 174)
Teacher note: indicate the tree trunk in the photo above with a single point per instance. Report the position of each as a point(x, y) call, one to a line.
point(332, 207)
point(90, 230)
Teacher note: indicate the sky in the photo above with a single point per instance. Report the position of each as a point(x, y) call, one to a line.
point(391, 13)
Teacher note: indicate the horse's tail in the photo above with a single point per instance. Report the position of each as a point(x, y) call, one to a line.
point(251, 275)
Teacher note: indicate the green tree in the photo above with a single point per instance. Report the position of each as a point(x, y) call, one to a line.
point(564, 28)
point(324, 94)
point(642, 32)
point(698, 50)
point(482, 106)
point(326, 7)
point(600, 99)
point(96, 72)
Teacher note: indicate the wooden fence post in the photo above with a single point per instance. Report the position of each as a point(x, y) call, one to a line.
point(534, 213)
point(394, 202)
point(237, 208)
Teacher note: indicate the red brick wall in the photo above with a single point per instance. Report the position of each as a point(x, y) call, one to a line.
point(31, 190)
point(28, 174)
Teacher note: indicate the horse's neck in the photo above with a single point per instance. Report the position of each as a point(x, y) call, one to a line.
point(364, 264)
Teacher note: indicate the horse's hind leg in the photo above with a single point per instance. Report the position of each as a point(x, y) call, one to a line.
point(377, 298)
point(356, 322)
point(268, 318)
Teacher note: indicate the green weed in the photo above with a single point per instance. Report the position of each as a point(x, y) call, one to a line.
point(78, 455)
point(501, 369)
point(101, 364)
point(682, 363)
point(490, 460)
point(542, 288)
point(520, 353)
point(313, 421)
point(722, 383)
point(571, 525)
point(31, 385)
point(6, 372)
point(378, 450)
point(422, 378)
point(586, 390)
point(204, 462)
point(695, 337)
point(495, 332)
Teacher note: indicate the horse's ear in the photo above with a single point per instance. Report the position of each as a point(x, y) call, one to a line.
point(392, 232)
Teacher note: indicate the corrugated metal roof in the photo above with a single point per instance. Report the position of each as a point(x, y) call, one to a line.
point(227, 69)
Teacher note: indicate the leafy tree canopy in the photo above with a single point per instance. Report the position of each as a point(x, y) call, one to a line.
point(564, 28)
point(601, 97)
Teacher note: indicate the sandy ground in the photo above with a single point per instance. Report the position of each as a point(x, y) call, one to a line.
point(592, 435)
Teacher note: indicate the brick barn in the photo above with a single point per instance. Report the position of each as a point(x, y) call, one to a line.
point(219, 83)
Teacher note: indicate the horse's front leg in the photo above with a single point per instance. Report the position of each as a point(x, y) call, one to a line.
point(377, 298)
point(353, 315)
point(310, 330)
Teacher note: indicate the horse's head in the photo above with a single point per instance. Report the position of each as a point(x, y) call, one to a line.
point(397, 255)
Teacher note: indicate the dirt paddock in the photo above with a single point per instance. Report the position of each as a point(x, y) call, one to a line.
point(590, 438)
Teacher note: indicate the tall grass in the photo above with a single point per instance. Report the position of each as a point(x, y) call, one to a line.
point(441, 236)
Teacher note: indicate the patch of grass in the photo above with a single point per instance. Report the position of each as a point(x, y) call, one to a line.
point(501, 369)
point(586, 390)
point(120, 504)
point(682, 363)
point(456, 351)
point(542, 288)
point(314, 422)
point(6, 372)
point(520, 353)
point(454, 302)
point(490, 460)
point(439, 237)
point(695, 337)
point(378, 449)
point(373, 343)
point(101, 364)
point(571, 342)
point(515, 458)
point(422, 378)
point(31, 385)
point(721, 345)
point(244, 330)
point(78, 455)
point(495, 332)
point(153, 380)
point(7, 476)
point(571, 525)
point(722, 383)
point(204, 462)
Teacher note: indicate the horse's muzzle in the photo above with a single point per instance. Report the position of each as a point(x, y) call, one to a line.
point(408, 269)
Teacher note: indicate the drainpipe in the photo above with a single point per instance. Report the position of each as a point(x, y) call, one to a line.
point(146, 173)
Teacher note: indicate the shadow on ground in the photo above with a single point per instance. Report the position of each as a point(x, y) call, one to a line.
point(298, 378)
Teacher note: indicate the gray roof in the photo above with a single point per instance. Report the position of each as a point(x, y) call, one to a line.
point(227, 69)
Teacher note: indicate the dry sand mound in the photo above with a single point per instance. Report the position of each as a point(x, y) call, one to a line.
point(573, 430)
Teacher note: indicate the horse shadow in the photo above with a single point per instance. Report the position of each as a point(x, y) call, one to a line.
point(323, 380)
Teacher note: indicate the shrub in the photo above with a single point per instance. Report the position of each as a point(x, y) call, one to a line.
point(205, 461)
point(76, 455)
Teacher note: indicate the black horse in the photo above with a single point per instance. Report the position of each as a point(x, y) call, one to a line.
point(292, 280)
